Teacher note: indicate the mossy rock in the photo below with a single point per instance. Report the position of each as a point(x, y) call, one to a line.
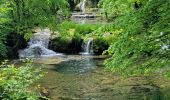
point(100, 45)
point(62, 45)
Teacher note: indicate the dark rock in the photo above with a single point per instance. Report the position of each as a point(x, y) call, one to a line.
point(64, 46)
point(100, 45)
point(14, 43)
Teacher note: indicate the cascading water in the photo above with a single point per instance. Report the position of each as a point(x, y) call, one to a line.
point(88, 47)
point(90, 16)
point(38, 46)
point(82, 6)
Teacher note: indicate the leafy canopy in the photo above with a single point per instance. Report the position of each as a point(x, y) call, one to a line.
point(4, 25)
point(21, 16)
point(143, 45)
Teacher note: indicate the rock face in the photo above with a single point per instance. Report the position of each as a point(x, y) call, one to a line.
point(75, 46)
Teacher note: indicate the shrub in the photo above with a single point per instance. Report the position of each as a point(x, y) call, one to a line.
point(68, 28)
point(15, 81)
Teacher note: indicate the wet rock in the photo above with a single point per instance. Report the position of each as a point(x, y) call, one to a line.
point(73, 45)
point(67, 98)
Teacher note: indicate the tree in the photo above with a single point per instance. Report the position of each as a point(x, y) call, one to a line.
point(27, 14)
point(143, 46)
point(4, 25)
point(115, 8)
point(15, 82)
point(19, 17)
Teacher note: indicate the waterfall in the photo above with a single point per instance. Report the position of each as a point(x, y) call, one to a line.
point(82, 6)
point(38, 46)
point(88, 47)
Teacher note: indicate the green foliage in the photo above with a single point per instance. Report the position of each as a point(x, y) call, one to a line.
point(21, 16)
point(15, 81)
point(4, 27)
point(71, 34)
point(70, 29)
point(139, 47)
point(114, 8)
point(86, 28)
point(28, 13)
point(107, 31)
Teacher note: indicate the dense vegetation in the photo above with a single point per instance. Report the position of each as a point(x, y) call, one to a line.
point(19, 17)
point(138, 34)
point(15, 81)
point(17, 20)
point(142, 46)
point(4, 19)
point(71, 34)
point(138, 37)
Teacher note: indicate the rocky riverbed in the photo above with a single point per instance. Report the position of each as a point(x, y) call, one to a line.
point(77, 77)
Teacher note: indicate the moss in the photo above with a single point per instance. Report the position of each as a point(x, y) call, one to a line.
point(100, 45)
point(66, 45)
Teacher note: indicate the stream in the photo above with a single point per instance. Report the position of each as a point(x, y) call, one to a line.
point(84, 77)
point(77, 77)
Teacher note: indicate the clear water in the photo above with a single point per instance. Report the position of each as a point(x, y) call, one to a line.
point(77, 77)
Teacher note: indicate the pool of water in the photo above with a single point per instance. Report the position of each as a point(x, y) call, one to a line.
point(76, 77)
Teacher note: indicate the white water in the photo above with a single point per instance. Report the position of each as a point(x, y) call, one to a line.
point(88, 47)
point(164, 46)
point(82, 6)
point(38, 46)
